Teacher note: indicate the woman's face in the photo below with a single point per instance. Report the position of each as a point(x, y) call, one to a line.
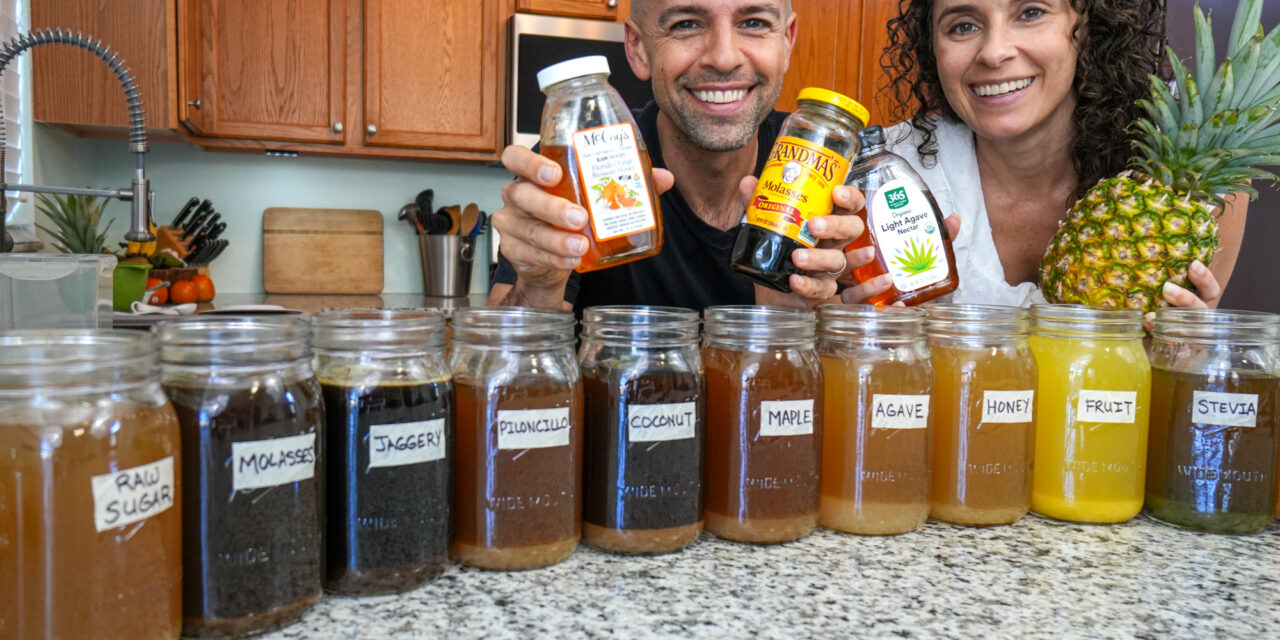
point(1007, 66)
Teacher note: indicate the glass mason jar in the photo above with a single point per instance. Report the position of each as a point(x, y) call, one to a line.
point(645, 428)
point(518, 488)
point(764, 423)
point(252, 423)
point(388, 400)
point(984, 381)
point(1211, 463)
point(1092, 395)
point(90, 500)
point(875, 447)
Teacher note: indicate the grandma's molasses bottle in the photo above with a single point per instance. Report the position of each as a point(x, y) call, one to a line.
point(810, 158)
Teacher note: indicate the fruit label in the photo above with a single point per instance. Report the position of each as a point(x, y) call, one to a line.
point(786, 417)
point(1117, 407)
point(892, 411)
point(661, 422)
point(795, 187)
point(1007, 407)
point(393, 445)
point(132, 495)
point(272, 462)
point(533, 428)
point(905, 230)
point(614, 179)
point(1212, 408)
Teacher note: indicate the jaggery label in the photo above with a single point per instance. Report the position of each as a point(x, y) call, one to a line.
point(1116, 407)
point(786, 417)
point(393, 445)
point(533, 428)
point(132, 495)
point(273, 462)
point(895, 411)
point(1211, 408)
point(795, 187)
point(614, 179)
point(661, 422)
point(1008, 407)
point(906, 232)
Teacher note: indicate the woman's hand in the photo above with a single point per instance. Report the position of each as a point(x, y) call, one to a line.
point(1206, 285)
point(858, 293)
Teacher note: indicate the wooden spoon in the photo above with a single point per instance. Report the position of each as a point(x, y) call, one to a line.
point(470, 216)
point(455, 214)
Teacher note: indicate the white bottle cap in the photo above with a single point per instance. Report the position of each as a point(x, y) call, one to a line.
point(575, 68)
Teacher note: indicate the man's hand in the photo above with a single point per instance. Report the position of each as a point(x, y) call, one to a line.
point(858, 293)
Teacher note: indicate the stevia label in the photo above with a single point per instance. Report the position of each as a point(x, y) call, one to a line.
point(613, 177)
point(795, 187)
point(661, 422)
point(533, 428)
point(393, 445)
point(1007, 407)
point(906, 231)
point(1117, 407)
point(132, 495)
point(273, 462)
point(786, 417)
point(893, 411)
point(1212, 408)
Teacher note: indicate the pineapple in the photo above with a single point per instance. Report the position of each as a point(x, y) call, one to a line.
point(1131, 233)
point(76, 219)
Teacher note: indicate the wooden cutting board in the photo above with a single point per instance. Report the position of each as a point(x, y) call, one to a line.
point(321, 251)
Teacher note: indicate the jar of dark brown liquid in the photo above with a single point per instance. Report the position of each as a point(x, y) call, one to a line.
point(764, 423)
point(388, 398)
point(645, 428)
point(252, 440)
point(518, 479)
point(90, 502)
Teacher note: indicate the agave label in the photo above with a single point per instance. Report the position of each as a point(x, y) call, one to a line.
point(618, 196)
point(906, 231)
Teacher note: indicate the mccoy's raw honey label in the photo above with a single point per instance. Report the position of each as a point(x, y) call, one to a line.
point(614, 179)
point(795, 187)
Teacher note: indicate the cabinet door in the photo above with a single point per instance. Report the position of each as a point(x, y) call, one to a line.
point(605, 9)
point(264, 69)
point(867, 78)
point(813, 58)
point(431, 73)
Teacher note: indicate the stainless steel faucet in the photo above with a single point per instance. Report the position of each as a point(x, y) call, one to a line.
point(139, 193)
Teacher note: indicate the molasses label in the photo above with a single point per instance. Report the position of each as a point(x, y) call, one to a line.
point(1117, 407)
point(1007, 407)
point(1212, 408)
point(270, 463)
point(786, 417)
point(614, 180)
point(892, 411)
point(661, 422)
point(533, 428)
point(132, 495)
point(393, 445)
point(795, 187)
point(905, 229)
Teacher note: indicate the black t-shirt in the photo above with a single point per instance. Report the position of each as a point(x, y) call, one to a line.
point(692, 270)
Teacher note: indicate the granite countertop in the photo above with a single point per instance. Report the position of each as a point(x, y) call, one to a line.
point(1035, 578)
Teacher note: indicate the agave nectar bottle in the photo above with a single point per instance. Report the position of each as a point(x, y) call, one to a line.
point(903, 224)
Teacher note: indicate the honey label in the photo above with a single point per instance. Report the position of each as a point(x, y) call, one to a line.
point(1117, 407)
point(661, 422)
point(786, 417)
point(1007, 407)
point(1217, 409)
point(906, 232)
point(613, 178)
point(893, 411)
point(533, 428)
point(393, 445)
point(271, 463)
point(795, 187)
point(132, 495)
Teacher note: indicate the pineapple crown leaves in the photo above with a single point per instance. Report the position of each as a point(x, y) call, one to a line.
point(76, 220)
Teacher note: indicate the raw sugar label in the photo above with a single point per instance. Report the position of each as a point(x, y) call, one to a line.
point(906, 230)
point(1118, 407)
point(393, 445)
point(660, 422)
point(533, 428)
point(132, 495)
point(795, 187)
point(786, 417)
point(273, 462)
point(891, 411)
point(1007, 407)
point(613, 177)
point(1224, 409)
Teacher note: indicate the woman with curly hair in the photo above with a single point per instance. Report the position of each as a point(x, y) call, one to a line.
point(1012, 109)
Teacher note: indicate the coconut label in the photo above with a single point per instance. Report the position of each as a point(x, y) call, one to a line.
point(613, 178)
point(795, 187)
point(906, 231)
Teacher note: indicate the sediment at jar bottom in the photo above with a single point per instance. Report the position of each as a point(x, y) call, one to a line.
point(871, 518)
point(248, 625)
point(761, 530)
point(385, 580)
point(1180, 514)
point(514, 558)
point(640, 541)
point(976, 517)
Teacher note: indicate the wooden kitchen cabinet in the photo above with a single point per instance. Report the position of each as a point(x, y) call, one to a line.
point(615, 10)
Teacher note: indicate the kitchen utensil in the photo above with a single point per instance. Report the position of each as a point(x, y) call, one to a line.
point(438, 222)
point(425, 199)
point(197, 218)
point(218, 248)
point(410, 212)
point(186, 211)
point(321, 250)
point(482, 224)
point(455, 218)
point(470, 215)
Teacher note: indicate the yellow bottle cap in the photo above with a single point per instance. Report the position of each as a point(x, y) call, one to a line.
point(838, 100)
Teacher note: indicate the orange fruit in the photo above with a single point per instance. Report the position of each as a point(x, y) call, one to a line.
point(182, 292)
point(204, 288)
point(159, 296)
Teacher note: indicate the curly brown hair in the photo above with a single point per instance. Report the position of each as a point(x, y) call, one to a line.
point(1120, 46)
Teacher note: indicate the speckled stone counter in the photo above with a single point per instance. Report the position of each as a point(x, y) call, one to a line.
point(1036, 578)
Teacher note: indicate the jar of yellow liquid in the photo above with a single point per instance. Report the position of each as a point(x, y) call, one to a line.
point(1092, 397)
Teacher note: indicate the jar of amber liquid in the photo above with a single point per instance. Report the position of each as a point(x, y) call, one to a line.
point(252, 424)
point(388, 399)
point(1093, 390)
point(605, 168)
point(875, 448)
point(645, 428)
point(518, 495)
point(764, 423)
point(1211, 461)
point(90, 499)
point(984, 382)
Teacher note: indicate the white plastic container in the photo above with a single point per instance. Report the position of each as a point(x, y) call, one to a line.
point(50, 291)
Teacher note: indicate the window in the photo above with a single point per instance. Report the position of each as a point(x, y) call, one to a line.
point(15, 96)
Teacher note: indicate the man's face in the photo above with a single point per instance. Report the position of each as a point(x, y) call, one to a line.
point(716, 65)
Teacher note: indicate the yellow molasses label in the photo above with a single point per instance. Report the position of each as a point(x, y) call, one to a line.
point(795, 187)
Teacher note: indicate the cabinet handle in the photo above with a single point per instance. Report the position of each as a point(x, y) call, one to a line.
point(337, 127)
point(194, 103)
point(612, 4)
point(370, 129)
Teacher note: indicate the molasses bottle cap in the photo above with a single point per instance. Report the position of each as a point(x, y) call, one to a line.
point(575, 68)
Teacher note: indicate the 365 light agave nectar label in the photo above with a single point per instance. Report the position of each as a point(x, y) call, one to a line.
point(907, 235)
point(795, 187)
